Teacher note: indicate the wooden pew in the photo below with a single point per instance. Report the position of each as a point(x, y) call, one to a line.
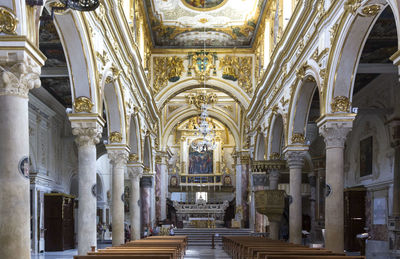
point(313, 257)
point(173, 253)
point(160, 243)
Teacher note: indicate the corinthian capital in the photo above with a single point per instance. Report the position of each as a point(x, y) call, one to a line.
point(135, 171)
point(87, 136)
point(18, 78)
point(335, 133)
point(118, 157)
point(295, 158)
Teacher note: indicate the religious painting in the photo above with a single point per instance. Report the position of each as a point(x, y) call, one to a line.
point(366, 156)
point(24, 167)
point(204, 5)
point(200, 163)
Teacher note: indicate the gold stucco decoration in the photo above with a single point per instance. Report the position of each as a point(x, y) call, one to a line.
point(83, 104)
point(340, 104)
point(352, 5)
point(298, 138)
point(115, 137)
point(371, 10)
point(201, 98)
point(202, 63)
point(166, 69)
point(274, 156)
point(133, 157)
point(8, 21)
point(237, 69)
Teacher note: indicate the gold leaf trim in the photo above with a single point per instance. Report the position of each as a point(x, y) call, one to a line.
point(115, 137)
point(83, 104)
point(8, 21)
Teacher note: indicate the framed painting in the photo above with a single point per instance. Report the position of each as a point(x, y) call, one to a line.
point(200, 163)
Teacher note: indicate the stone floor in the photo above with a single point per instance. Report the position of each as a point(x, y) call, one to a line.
point(193, 252)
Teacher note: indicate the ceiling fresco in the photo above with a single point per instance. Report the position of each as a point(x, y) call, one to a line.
point(195, 23)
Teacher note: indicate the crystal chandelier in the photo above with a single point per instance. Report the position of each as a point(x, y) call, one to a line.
point(207, 142)
point(206, 132)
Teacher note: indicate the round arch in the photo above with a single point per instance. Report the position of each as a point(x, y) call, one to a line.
point(260, 147)
point(233, 91)
point(147, 152)
point(276, 137)
point(345, 56)
point(185, 114)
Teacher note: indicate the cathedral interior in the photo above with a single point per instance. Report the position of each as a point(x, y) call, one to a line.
point(276, 117)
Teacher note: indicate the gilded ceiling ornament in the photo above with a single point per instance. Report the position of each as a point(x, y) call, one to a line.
point(8, 21)
point(237, 68)
point(201, 98)
point(202, 63)
point(298, 138)
point(340, 104)
point(352, 5)
point(115, 137)
point(166, 69)
point(371, 10)
point(83, 104)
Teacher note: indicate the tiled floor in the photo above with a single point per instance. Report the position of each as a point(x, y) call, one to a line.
point(192, 252)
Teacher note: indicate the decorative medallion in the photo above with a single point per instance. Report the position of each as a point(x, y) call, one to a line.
point(115, 137)
point(94, 190)
point(123, 197)
point(204, 5)
point(8, 21)
point(340, 104)
point(23, 166)
point(328, 190)
point(83, 104)
point(202, 63)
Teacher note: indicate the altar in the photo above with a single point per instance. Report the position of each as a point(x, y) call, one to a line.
point(202, 222)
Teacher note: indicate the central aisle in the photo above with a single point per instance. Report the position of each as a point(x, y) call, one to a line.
point(203, 252)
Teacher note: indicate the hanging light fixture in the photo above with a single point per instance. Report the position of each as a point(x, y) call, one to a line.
point(81, 5)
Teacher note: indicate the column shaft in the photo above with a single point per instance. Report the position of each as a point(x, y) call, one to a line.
point(334, 203)
point(135, 208)
point(274, 224)
point(118, 235)
point(396, 183)
point(14, 184)
point(295, 208)
point(87, 199)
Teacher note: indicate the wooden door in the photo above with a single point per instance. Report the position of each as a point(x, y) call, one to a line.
point(354, 217)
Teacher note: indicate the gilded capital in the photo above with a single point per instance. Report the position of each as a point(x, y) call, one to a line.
point(340, 104)
point(8, 21)
point(115, 137)
point(298, 138)
point(18, 78)
point(83, 104)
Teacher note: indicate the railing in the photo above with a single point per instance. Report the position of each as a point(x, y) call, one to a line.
point(200, 179)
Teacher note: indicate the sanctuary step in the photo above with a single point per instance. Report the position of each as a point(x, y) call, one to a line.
point(202, 236)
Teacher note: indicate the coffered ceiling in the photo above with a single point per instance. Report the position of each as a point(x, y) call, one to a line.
point(195, 23)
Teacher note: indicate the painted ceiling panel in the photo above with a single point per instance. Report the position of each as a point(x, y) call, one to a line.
point(195, 23)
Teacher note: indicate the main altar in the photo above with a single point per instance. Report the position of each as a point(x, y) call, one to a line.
point(201, 214)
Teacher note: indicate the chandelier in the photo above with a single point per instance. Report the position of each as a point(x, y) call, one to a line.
point(205, 131)
point(207, 142)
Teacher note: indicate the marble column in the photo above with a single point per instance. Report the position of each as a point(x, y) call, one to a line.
point(15, 82)
point(295, 160)
point(163, 187)
point(135, 173)
point(273, 223)
point(118, 158)
point(312, 181)
point(146, 184)
point(88, 133)
point(334, 133)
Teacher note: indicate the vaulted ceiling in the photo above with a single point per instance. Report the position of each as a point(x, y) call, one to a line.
point(195, 23)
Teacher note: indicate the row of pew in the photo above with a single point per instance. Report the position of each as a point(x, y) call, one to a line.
point(252, 247)
point(154, 247)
